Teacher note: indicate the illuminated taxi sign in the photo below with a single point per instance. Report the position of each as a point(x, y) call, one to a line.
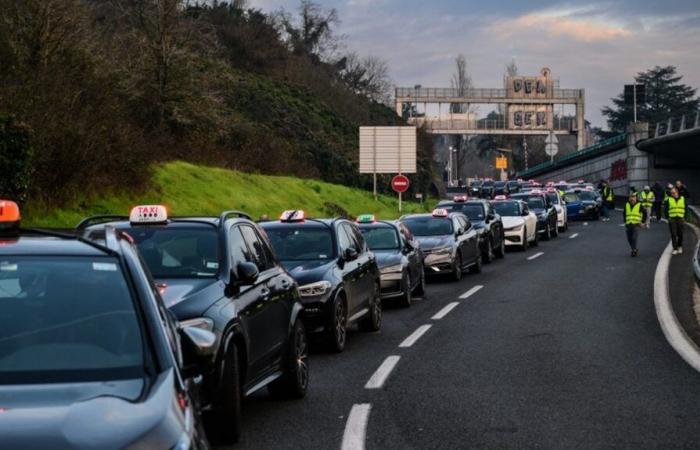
point(535, 191)
point(550, 183)
point(500, 198)
point(9, 214)
point(551, 189)
point(459, 198)
point(589, 188)
point(148, 214)
point(581, 181)
point(440, 212)
point(366, 218)
point(293, 215)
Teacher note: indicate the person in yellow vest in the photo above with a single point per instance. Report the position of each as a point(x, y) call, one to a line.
point(608, 200)
point(647, 199)
point(676, 209)
point(634, 216)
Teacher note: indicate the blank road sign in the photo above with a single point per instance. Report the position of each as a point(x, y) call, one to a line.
point(387, 150)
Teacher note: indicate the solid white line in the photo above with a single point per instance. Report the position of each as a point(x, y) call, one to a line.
point(471, 292)
point(573, 235)
point(420, 331)
point(444, 311)
point(356, 427)
point(621, 225)
point(378, 378)
point(536, 255)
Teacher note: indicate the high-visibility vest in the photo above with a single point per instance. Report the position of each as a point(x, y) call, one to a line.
point(608, 193)
point(647, 199)
point(676, 208)
point(633, 214)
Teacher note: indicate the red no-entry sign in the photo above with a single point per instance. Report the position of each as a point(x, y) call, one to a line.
point(400, 183)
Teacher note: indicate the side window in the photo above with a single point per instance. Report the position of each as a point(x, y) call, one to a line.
point(406, 232)
point(465, 223)
point(256, 247)
point(357, 237)
point(456, 224)
point(525, 209)
point(344, 241)
point(239, 249)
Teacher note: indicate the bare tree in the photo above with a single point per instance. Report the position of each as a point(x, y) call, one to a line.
point(312, 33)
point(462, 82)
point(368, 76)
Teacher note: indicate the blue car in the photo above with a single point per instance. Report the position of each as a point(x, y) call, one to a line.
point(582, 204)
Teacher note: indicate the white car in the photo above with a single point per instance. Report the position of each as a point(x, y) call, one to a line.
point(559, 204)
point(519, 223)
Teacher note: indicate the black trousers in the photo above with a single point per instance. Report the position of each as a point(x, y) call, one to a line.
point(632, 235)
point(676, 226)
point(657, 209)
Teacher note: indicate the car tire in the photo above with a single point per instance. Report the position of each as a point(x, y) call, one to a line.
point(488, 255)
point(294, 383)
point(337, 331)
point(526, 242)
point(406, 293)
point(478, 263)
point(501, 250)
point(457, 268)
point(228, 411)
point(536, 241)
point(555, 230)
point(420, 289)
point(548, 232)
point(373, 320)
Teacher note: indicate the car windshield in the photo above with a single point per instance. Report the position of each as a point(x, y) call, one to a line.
point(512, 184)
point(587, 195)
point(475, 184)
point(534, 202)
point(301, 242)
point(380, 237)
point(488, 183)
point(429, 226)
point(474, 211)
point(507, 209)
point(178, 252)
point(499, 184)
point(67, 319)
point(571, 198)
point(554, 198)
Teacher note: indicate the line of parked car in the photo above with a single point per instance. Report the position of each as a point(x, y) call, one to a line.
point(134, 331)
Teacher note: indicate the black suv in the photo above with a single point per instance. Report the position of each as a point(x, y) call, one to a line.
point(500, 188)
point(487, 223)
point(449, 242)
point(544, 209)
point(87, 344)
point(487, 189)
point(513, 186)
point(220, 274)
point(337, 274)
point(399, 258)
point(475, 188)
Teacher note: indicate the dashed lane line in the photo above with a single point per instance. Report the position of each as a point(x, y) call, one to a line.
point(444, 311)
point(573, 236)
point(378, 378)
point(536, 255)
point(471, 292)
point(410, 340)
point(356, 427)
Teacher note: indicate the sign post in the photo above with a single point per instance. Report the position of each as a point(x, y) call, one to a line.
point(551, 146)
point(400, 184)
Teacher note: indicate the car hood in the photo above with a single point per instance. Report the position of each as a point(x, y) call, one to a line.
point(510, 222)
point(431, 242)
point(386, 258)
point(190, 297)
point(538, 211)
point(305, 272)
point(104, 415)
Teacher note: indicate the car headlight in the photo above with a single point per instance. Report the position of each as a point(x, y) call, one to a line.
point(589, 206)
point(391, 269)
point(515, 228)
point(441, 251)
point(314, 289)
point(198, 322)
point(542, 216)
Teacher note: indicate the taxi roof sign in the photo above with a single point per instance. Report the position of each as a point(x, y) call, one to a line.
point(440, 212)
point(459, 198)
point(366, 218)
point(293, 215)
point(9, 214)
point(500, 197)
point(148, 214)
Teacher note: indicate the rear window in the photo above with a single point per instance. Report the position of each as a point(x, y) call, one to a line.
point(380, 237)
point(507, 209)
point(301, 243)
point(475, 212)
point(67, 319)
point(429, 226)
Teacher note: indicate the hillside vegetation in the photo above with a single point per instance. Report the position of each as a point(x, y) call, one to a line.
point(188, 189)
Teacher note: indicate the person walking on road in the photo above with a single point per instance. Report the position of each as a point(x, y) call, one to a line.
point(647, 199)
point(634, 216)
point(682, 190)
point(676, 209)
point(608, 200)
point(658, 191)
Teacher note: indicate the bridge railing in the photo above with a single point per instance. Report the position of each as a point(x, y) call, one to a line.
point(676, 124)
point(452, 93)
point(434, 123)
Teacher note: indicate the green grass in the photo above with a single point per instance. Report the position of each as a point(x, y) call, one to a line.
point(188, 189)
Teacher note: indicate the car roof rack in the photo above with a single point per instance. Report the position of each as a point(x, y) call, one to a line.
point(240, 214)
point(94, 220)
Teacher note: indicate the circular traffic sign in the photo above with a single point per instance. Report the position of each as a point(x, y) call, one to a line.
point(400, 183)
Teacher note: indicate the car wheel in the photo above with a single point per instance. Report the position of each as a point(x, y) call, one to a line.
point(457, 267)
point(501, 250)
point(373, 320)
point(338, 325)
point(228, 411)
point(488, 254)
point(295, 381)
point(525, 241)
point(555, 230)
point(548, 232)
point(476, 267)
point(420, 289)
point(536, 241)
point(407, 296)
point(566, 225)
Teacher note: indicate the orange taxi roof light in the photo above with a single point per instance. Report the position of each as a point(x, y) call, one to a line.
point(9, 212)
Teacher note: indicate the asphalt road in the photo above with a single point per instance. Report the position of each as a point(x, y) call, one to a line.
point(560, 351)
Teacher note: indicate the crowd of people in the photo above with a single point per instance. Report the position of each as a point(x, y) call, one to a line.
point(652, 203)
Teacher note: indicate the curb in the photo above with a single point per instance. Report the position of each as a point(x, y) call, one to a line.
point(695, 213)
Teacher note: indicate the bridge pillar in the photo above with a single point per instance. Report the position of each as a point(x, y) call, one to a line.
point(399, 109)
point(637, 160)
point(580, 125)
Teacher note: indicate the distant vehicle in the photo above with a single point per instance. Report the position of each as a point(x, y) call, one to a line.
point(538, 203)
point(574, 206)
point(399, 258)
point(89, 356)
point(475, 188)
point(590, 205)
point(562, 217)
point(220, 274)
point(488, 225)
point(519, 223)
point(487, 189)
point(500, 188)
point(449, 242)
point(513, 186)
point(338, 277)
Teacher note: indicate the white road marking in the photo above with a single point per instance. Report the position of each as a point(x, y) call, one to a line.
point(378, 378)
point(471, 292)
point(585, 224)
point(444, 311)
point(663, 219)
point(356, 427)
point(573, 235)
point(536, 255)
point(420, 331)
point(621, 225)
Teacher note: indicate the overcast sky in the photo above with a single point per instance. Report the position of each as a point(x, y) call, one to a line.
point(598, 46)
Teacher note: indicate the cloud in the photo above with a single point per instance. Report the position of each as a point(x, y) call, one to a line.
point(559, 26)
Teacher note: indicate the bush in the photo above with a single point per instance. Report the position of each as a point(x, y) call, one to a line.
point(15, 159)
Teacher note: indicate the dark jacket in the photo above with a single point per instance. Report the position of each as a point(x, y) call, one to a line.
point(683, 192)
point(666, 206)
point(658, 191)
point(624, 213)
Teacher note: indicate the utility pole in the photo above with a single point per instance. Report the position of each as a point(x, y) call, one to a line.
point(634, 96)
point(525, 151)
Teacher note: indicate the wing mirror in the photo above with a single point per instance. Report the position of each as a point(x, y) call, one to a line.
point(246, 273)
point(350, 254)
point(198, 344)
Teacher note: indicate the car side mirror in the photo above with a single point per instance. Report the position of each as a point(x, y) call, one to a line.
point(525, 213)
point(350, 254)
point(198, 344)
point(459, 232)
point(408, 247)
point(247, 273)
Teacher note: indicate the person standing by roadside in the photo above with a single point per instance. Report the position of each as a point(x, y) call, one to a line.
point(608, 200)
point(658, 191)
point(682, 190)
point(634, 216)
point(647, 199)
point(675, 213)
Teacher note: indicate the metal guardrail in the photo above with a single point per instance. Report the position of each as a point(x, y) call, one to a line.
point(676, 124)
point(486, 124)
point(695, 212)
point(451, 93)
point(577, 154)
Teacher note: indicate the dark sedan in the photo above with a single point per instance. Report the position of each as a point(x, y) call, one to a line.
point(544, 209)
point(487, 223)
